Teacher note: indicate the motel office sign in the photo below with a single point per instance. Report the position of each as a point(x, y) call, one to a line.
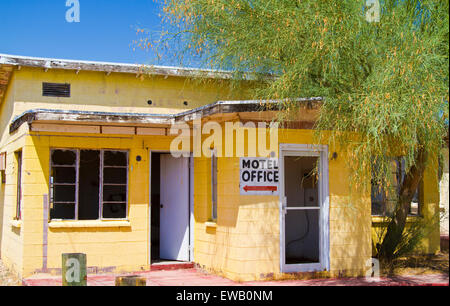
point(259, 176)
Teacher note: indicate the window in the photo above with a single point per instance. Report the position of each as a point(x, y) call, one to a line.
point(88, 184)
point(18, 156)
point(3, 167)
point(383, 204)
point(213, 185)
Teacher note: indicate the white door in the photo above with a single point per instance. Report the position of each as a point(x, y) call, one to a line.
point(174, 212)
point(304, 234)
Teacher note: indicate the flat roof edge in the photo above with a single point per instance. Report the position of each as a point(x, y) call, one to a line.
point(51, 63)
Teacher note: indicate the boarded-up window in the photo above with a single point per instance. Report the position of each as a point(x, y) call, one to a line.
point(89, 184)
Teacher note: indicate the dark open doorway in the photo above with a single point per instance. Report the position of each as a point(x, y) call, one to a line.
point(155, 207)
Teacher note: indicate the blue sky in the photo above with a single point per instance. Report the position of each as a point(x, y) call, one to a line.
point(105, 32)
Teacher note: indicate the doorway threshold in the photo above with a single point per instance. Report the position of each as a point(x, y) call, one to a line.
point(171, 265)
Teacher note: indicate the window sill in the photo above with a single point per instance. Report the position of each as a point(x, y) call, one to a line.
point(379, 219)
point(16, 223)
point(88, 224)
point(211, 224)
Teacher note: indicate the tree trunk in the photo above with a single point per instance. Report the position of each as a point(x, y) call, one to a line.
point(397, 224)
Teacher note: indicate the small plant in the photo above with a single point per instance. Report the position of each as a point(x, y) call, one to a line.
point(412, 236)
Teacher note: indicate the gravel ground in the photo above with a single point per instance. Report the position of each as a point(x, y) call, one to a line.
point(6, 277)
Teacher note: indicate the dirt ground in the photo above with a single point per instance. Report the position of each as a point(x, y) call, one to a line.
point(6, 277)
point(417, 265)
point(414, 265)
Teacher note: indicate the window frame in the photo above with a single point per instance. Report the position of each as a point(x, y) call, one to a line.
point(19, 194)
point(101, 202)
point(102, 183)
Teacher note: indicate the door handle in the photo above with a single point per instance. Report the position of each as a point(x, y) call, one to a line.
point(162, 206)
point(284, 205)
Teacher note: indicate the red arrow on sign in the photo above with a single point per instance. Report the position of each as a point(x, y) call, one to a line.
point(260, 188)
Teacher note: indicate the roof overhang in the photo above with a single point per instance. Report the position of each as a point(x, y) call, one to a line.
point(107, 67)
point(248, 110)
point(5, 77)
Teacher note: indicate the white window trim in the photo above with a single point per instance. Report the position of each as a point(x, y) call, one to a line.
point(324, 240)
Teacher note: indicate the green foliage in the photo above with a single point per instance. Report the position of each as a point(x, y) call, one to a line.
point(385, 83)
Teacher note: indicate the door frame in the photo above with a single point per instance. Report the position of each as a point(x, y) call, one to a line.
point(320, 151)
point(190, 198)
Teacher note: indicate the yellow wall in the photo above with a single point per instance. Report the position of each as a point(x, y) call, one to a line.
point(12, 237)
point(244, 244)
point(118, 92)
point(12, 247)
point(21, 244)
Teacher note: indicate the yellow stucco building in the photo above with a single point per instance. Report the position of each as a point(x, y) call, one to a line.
point(87, 167)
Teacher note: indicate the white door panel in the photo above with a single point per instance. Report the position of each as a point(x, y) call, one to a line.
point(174, 213)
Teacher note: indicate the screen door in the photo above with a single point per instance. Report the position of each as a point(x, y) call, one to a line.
point(303, 234)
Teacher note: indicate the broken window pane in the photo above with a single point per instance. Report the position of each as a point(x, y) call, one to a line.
point(115, 211)
point(114, 193)
point(64, 175)
point(63, 211)
point(64, 157)
point(115, 175)
point(115, 158)
point(64, 193)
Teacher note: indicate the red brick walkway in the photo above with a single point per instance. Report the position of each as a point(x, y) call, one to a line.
point(193, 277)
